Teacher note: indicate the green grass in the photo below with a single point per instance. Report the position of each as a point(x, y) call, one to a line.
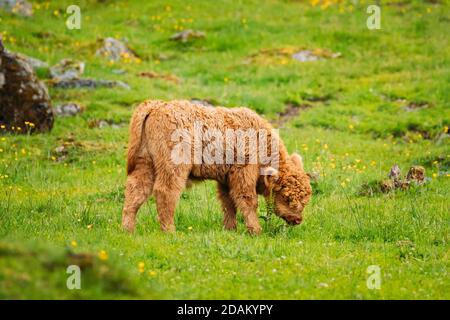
point(352, 138)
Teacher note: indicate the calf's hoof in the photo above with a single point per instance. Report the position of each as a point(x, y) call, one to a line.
point(230, 226)
point(254, 231)
point(168, 228)
point(128, 225)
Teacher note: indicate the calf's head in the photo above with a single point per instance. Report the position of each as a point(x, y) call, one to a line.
point(289, 189)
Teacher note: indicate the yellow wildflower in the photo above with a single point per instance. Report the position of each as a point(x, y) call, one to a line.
point(102, 255)
point(141, 267)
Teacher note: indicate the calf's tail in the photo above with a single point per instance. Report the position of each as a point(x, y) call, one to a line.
point(137, 125)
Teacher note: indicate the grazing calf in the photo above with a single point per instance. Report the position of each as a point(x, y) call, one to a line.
point(173, 142)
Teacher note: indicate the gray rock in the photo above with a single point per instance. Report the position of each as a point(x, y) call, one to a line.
point(187, 35)
point(305, 56)
point(395, 172)
point(115, 50)
point(67, 75)
point(101, 123)
point(416, 174)
point(60, 150)
point(33, 62)
point(414, 106)
point(23, 98)
point(67, 69)
point(315, 55)
point(441, 138)
point(68, 109)
point(90, 84)
point(19, 7)
point(119, 71)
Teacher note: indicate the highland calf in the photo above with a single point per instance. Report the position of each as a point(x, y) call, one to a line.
point(172, 143)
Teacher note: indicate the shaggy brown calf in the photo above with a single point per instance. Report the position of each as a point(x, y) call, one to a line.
point(163, 157)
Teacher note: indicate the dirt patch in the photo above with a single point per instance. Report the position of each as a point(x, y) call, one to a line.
point(166, 77)
point(406, 104)
point(416, 129)
point(317, 98)
point(65, 147)
point(292, 110)
point(43, 34)
point(287, 54)
point(188, 35)
point(69, 149)
point(414, 106)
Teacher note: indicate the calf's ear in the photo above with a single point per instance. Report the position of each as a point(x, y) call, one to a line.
point(270, 175)
point(297, 160)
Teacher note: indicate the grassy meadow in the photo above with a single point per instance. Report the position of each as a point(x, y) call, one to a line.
point(384, 101)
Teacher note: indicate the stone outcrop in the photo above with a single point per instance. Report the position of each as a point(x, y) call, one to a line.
point(19, 7)
point(24, 99)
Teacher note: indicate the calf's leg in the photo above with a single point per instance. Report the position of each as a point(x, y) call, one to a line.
point(229, 209)
point(243, 192)
point(138, 188)
point(167, 190)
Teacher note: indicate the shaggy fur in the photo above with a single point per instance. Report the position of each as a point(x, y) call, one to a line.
point(152, 172)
